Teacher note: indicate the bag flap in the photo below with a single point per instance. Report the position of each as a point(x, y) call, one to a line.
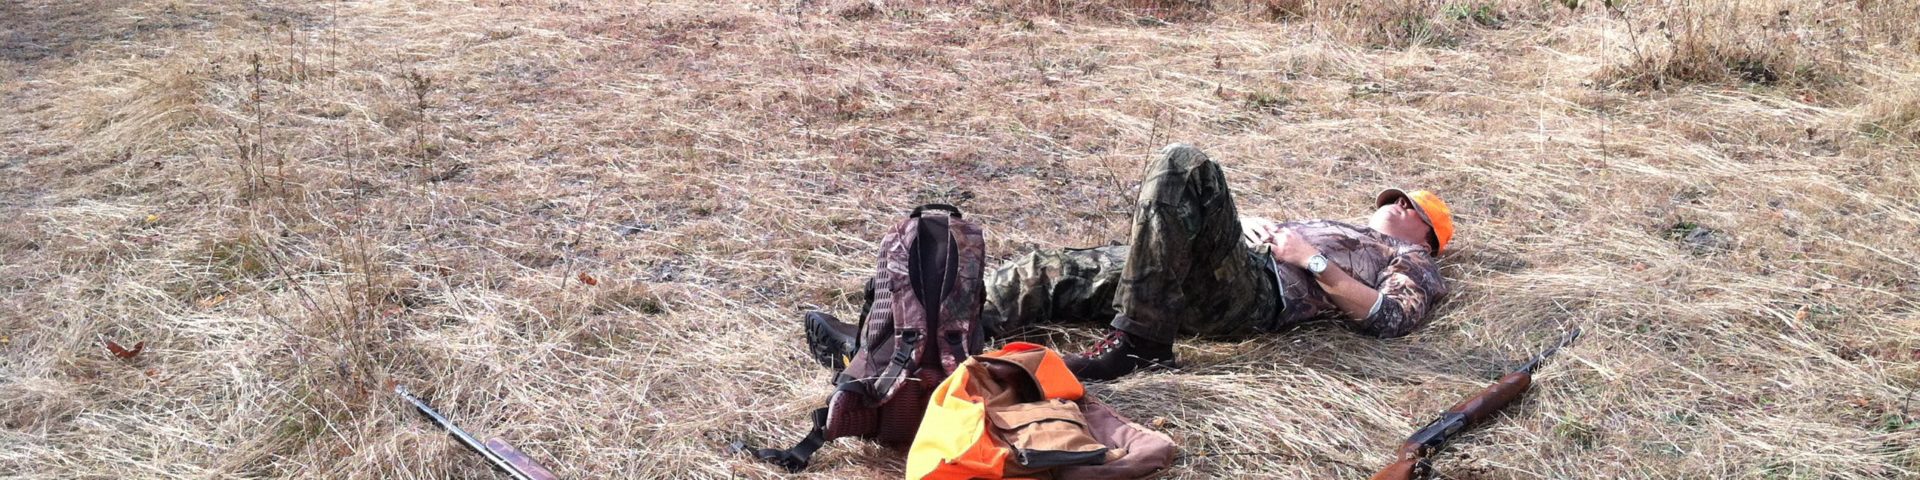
point(1020, 415)
point(1047, 434)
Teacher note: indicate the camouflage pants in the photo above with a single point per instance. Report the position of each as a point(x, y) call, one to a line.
point(1185, 272)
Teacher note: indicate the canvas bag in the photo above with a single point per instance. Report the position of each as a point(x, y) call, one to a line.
point(924, 321)
point(1018, 412)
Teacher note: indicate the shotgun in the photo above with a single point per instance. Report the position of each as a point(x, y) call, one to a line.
point(1414, 456)
point(497, 451)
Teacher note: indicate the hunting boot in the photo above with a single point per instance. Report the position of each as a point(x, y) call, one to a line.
point(1119, 354)
point(829, 340)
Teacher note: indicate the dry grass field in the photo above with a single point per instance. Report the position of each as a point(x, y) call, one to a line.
point(590, 227)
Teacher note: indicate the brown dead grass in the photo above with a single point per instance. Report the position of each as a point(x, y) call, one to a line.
point(296, 205)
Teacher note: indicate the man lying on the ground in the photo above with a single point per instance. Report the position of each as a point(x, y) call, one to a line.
point(1194, 266)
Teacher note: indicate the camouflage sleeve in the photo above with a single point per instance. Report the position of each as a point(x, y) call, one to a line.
point(1408, 288)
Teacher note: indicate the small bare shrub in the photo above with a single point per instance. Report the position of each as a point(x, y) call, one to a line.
point(1892, 108)
point(855, 9)
point(1708, 55)
point(1135, 10)
point(1389, 23)
point(1898, 118)
point(1283, 9)
point(1797, 44)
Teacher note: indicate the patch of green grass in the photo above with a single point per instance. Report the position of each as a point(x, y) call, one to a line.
point(222, 263)
point(1687, 418)
point(1577, 433)
point(1895, 422)
point(1265, 101)
point(1414, 29)
point(1680, 229)
point(1481, 13)
point(1699, 239)
point(1575, 4)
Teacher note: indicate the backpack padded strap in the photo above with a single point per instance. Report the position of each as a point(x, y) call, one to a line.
point(880, 311)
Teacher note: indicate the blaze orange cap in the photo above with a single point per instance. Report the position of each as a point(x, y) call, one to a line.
point(1432, 209)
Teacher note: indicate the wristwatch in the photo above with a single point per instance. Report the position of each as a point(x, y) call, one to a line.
point(1316, 264)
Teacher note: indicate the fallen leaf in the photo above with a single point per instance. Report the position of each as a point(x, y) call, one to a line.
point(121, 352)
point(213, 300)
point(588, 279)
point(152, 218)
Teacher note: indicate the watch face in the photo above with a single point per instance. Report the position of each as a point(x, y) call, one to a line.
point(1317, 264)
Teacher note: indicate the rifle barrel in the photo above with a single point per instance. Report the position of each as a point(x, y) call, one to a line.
point(1542, 357)
point(465, 439)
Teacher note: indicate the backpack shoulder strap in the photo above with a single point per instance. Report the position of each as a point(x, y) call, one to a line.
point(800, 455)
point(959, 326)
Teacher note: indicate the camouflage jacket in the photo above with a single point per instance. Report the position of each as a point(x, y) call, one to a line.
point(1405, 274)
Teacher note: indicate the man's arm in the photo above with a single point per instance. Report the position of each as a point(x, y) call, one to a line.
point(1407, 290)
point(1356, 299)
point(1396, 308)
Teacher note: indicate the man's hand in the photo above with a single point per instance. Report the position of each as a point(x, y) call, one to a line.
point(1290, 247)
point(1256, 232)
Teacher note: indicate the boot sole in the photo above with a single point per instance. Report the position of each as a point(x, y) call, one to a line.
point(1145, 365)
point(820, 341)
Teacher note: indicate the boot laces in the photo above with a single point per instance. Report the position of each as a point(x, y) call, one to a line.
point(1113, 341)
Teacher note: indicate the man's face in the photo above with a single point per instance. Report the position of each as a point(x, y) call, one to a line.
point(1401, 220)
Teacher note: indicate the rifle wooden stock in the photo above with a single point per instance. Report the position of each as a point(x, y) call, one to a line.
point(1495, 397)
point(1401, 470)
point(1407, 467)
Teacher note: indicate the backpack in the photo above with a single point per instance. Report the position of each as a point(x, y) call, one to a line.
point(923, 322)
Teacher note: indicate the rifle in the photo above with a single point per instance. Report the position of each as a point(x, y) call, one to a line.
point(497, 451)
point(1414, 456)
